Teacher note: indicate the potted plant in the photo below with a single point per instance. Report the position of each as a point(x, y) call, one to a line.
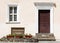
point(28, 36)
point(10, 36)
point(19, 35)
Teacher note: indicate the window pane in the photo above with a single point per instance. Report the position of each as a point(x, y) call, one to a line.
point(10, 9)
point(10, 17)
point(15, 17)
point(15, 9)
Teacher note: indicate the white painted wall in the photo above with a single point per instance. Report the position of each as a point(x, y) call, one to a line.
point(28, 16)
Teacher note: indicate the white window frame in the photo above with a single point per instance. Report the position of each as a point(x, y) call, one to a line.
point(12, 14)
point(13, 22)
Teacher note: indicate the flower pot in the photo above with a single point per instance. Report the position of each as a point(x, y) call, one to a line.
point(10, 36)
point(17, 36)
point(21, 36)
point(28, 36)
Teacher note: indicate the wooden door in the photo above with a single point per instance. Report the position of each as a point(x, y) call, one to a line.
point(44, 21)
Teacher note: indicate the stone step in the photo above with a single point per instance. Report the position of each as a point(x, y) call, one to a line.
point(45, 36)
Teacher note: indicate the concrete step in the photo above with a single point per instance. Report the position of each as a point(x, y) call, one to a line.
point(45, 36)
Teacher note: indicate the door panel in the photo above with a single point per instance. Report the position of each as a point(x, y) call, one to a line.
point(44, 21)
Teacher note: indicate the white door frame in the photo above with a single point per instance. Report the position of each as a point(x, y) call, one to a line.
point(51, 15)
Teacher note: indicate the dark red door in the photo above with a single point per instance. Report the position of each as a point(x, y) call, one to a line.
point(44, 21)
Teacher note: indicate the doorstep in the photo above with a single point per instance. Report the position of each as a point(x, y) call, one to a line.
point(45, 37)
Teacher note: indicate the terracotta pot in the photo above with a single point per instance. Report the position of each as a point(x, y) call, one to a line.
point(21, 36)
point(28, 36)
point(10, 36)
point(17, 36)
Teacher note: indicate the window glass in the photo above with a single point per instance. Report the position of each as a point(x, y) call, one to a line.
point(10, 9)
point(15, 9)
point(15, 17)
point(12, 13)
point(10, 17)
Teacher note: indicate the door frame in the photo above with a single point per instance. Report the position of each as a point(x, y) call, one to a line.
point(46, 6)
point(51, 16)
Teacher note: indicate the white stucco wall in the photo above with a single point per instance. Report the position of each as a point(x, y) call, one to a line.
point(28, 16)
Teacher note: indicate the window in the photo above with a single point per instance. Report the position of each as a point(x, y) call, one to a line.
point(13, 13)
point(17, 30)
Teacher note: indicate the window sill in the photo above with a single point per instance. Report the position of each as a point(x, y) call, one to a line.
point(12, 22)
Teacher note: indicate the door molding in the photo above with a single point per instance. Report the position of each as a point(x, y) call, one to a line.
point(51, 15)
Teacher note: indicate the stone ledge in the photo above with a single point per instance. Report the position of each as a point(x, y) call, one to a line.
point(45, 37)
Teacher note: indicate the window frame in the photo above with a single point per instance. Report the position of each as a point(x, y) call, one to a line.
point(13, 6)
point(18, 16)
